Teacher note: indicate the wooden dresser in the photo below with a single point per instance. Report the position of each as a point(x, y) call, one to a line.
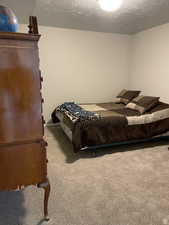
point(23, 159)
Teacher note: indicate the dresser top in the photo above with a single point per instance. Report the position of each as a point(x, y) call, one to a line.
point(19, 36)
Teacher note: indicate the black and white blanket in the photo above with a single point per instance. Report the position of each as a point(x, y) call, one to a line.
point(77, 112)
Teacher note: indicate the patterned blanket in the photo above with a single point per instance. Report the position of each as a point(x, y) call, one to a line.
point(76, 112)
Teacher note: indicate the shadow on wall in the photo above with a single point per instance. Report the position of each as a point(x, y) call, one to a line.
point(12, 210)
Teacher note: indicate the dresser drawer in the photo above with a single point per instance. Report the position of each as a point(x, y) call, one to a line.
point(20, 98)
point(22, 165)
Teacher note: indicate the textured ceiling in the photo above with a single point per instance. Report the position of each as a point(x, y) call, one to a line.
point(132, 17)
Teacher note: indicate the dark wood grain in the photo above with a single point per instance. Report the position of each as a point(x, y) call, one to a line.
point(29, 165)
point(46, 187)
point(19, 36)
point(23, 159)
point(33, 25)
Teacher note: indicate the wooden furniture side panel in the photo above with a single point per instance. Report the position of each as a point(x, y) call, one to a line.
point(20, 97)
point(22, 165)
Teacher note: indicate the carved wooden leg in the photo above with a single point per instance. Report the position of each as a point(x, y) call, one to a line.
point(46, 187)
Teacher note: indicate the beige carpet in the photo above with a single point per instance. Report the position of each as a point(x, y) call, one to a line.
point(124, 186)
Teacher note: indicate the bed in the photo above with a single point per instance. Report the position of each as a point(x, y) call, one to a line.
point(115, 124)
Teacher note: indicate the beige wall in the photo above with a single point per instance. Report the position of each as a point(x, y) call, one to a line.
point(88, 66)
point(149, 68)
point(82, 66)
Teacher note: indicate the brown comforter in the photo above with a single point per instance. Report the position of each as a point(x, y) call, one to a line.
point(116, 124)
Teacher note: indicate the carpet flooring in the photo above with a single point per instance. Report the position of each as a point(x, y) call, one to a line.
point(126, 185)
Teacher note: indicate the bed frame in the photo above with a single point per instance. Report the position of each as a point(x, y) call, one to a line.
point(140, 141)
point(163, 137)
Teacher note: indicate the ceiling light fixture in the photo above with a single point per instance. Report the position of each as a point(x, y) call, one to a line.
point(110, 5)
